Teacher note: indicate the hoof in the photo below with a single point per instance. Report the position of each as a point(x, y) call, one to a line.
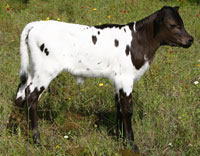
point(36, 138)
point(136, 149)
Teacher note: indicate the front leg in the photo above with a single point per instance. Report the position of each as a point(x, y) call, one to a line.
point(126, 104)
point(119, 122)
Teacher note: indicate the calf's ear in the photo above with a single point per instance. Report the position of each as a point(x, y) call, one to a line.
point(157, 22)
point(176, 8)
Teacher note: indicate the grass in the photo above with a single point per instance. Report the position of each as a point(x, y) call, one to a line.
point(167, 102)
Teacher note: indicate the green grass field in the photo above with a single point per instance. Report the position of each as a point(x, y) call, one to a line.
point(166, 118)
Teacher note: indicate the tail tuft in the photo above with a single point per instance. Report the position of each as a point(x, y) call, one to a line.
point(23, 78)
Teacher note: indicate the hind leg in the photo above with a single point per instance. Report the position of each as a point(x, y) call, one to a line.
point(119, 123)
point(32, 93)
point(18, 103)
point(32, 98)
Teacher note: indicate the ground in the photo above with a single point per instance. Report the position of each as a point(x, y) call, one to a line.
point(166, 118)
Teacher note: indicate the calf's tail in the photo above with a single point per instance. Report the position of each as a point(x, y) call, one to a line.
point(24, 53)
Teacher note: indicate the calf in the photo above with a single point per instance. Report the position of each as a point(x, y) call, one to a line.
point(121, 53)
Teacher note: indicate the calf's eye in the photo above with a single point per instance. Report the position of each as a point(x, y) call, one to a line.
point(172, 25)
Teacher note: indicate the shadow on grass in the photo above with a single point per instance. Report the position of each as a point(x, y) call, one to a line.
point(73, 120)
point(101, 119)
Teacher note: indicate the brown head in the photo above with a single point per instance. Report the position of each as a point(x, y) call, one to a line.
point(169, 28)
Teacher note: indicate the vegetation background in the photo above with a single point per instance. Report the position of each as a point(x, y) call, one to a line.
point(166, 118)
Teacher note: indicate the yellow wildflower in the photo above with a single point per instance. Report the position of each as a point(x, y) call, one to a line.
point(58, 19)
point(101, 84)
point(100, 23)
point(69, 98)
point(94, 9)
point(197, 65)
point(57, 146)
point(109, 17)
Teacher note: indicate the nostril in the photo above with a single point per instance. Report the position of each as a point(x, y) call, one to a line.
point(191, 40)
